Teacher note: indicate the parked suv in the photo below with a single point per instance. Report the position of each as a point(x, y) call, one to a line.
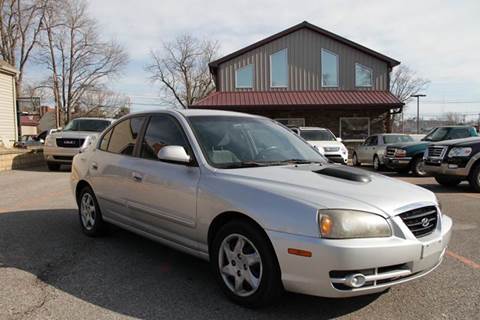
point(325, 142)
point(454, 161)
point(62, 145)
point(405, 157)
point(267, 210)
point(373, 149)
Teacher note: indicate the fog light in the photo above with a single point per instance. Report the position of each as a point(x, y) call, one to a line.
point(356, 280)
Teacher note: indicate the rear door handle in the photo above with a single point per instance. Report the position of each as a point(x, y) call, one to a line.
point(94, 166)
point(137, 176)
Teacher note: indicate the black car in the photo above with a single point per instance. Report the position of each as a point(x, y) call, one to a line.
point(454, 161)
point(405, 157)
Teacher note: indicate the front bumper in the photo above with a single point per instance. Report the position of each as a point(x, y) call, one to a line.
point(59, 154)
point(389, 261)
point(446, 169)
point(337, 157)
point(397, 163)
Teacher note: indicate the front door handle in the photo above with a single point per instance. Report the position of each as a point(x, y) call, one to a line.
point(137, 176)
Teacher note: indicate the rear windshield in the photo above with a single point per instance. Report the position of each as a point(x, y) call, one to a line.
point(94, 125)
point(396, 139)
point(317, 135)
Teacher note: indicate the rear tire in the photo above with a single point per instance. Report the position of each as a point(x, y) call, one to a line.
point(448, 181)
point(418, 167)
point(474, 178)
point(91, 220)
point(355, 161)
point(52, 166)
point(238, 263)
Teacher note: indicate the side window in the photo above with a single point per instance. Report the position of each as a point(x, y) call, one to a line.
point(458, 133)
point(368, 141)
point(124, 136)
point(105, 140)
point(162, 131)
point(374, 141)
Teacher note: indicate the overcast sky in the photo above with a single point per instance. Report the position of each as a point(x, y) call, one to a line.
point(438, 39)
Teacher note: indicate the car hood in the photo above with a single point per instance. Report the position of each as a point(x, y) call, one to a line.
point(74, 134)
point(404, 145)
point(323, 143)
point(459, 142)
point(336, 186)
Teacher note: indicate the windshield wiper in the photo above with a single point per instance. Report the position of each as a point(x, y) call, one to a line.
point(297, 161)
point(244, 164)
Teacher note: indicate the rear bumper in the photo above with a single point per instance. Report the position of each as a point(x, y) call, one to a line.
point(60, 155)
point(445, 169)
point(388, 261)
point(397, 163)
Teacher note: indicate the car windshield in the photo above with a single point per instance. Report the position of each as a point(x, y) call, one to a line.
point(317, 135)
point(437, 134)
point(397, 138)
point(94, 125)
point(236, 142)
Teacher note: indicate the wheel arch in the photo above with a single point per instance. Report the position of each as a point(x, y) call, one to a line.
point(80, 185)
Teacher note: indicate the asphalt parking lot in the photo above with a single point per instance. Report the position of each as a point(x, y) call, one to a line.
point(50, 270)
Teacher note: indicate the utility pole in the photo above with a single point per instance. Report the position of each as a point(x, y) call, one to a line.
point(418, 109)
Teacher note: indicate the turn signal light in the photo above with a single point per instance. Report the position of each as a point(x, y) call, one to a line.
point(299, 252)
point(326, 224)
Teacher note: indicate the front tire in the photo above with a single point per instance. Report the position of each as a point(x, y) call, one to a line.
point(448, 181)
point(245, 264)
point(355, 161)
point(89, 213)
point(418, 167)
point(376, 163)
point(474, 178)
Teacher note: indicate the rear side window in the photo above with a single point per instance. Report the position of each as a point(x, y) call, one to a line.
point(124, 136)
point(374, 141)
point(162, 131)
point(105, 140)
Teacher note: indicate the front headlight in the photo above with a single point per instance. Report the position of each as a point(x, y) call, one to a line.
point(460, 152)
point(347, 224)
point(50, 141)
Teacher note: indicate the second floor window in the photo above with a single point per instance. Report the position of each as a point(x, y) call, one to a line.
point(279, 69)
point(244, 77)
point(363, 76)
point(329, 69)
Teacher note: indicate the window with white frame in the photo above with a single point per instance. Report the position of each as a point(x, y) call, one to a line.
point(279, 69)
point(363, 76)
point(244, 77)
point(354, 128)
point(329, 68)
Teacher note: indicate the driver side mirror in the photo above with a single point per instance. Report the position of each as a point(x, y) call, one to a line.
point(173, 154)
point(339, 139)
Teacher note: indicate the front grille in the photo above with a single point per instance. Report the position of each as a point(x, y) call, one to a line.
point(65, 158)
point(331, 149)
point(436, 152)
point(70, 143)
point(421, 221)
point(390, 152)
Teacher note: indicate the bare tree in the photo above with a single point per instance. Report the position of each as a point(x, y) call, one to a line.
point(78, 59)
point(404, 82)
point(181, 68)
point(20, 27)
point(102, 102)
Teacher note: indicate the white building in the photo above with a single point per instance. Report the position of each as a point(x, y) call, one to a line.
point(8, 113)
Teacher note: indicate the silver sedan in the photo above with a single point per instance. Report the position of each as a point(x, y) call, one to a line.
point(265, 208)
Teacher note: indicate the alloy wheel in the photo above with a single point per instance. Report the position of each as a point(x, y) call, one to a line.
point(240, 265)
point(420, 169)
point(376, 164)
point(87, 211)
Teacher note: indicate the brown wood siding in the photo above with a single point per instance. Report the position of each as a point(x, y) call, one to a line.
point(304, 50)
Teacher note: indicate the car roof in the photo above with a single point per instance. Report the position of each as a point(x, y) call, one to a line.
point(197, 112)
point(94, 118)
point(312, 128)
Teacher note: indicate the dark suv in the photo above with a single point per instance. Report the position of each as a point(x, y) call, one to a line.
point(454, 161)
point(405, 157)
